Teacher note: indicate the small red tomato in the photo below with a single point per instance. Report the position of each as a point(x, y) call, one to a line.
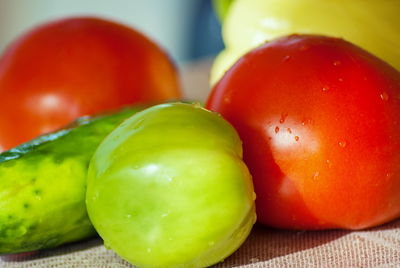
point(77, 66)
point(320, 122)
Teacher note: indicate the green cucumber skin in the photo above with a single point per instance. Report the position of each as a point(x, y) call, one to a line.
point(43, 185)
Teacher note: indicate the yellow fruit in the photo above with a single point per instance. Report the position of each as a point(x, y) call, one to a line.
point(374, 25)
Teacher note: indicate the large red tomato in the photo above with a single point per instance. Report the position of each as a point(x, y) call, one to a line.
point(320, 124)
point(77, 66)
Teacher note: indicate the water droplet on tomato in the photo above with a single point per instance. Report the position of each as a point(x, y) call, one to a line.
point(337, 63)
point(296, 138)
point(286, 58)
point(306, 121)
point(342, 144)
point(325, 88)
point(283, 118)
point(384, 96)
point(304, 48)
point(329, 163)
point(276, 129)
point(389, 174)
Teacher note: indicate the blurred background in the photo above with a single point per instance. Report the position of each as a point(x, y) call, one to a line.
point(188, 30)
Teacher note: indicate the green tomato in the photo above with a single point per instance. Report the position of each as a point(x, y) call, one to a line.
point(370, 24)
point(168, 188)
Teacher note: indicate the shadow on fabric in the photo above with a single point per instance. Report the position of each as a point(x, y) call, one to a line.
point(61, 250)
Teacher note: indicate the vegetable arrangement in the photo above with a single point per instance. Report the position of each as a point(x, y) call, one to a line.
point(170, 185)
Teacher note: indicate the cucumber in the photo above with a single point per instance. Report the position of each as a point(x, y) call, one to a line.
point(43, 185)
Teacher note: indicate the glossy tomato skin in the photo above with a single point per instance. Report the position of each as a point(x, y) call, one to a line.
point(320, 124)
point(77, 66)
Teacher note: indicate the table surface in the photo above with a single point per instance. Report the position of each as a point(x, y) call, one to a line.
point(265, 247)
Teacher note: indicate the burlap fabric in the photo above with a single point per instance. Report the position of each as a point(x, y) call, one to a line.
point(265, 247)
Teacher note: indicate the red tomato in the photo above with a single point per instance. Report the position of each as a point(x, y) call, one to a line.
point(77, 66)
point(320, 124)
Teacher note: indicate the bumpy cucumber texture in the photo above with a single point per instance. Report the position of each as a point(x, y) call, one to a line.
point(43, 185)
